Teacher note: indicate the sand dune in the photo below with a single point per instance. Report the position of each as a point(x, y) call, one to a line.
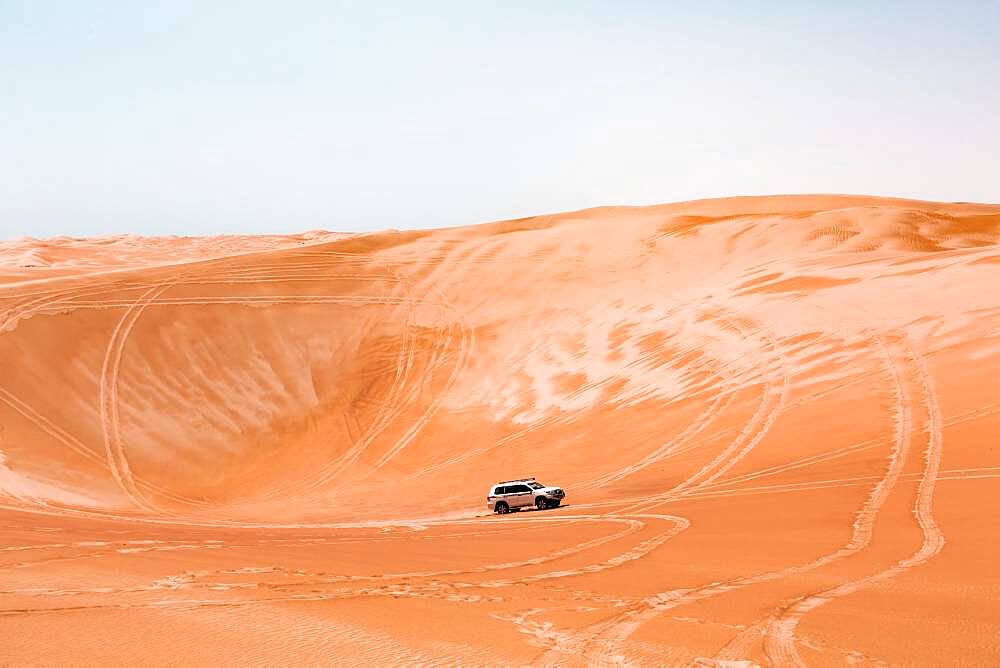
point(775, 419)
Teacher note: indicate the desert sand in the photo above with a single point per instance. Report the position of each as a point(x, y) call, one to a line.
point(776, 420)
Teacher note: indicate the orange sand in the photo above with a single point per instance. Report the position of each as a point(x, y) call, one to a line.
point(775, 418)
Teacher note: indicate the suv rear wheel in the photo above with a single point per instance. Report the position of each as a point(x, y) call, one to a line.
point(502, 508)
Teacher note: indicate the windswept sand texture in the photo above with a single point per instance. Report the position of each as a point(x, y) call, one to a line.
point(776, 420)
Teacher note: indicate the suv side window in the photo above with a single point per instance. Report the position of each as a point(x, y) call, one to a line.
point(499, 490)
point(517, 489)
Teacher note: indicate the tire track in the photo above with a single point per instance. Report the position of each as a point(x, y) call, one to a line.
point(434, 589)
point(779, 643)
point(730, 484)
point(110, 419)
point(864, 522)
point(387, 411)
point(719, 404)
point(44, 424)
point(467, 342)
point(152, 298)
point(549, 420)
point(605, 643)
point(51, 429)
point(116, 460)
point(60, 300)
point(393, 405)
point(726, 460)
point(749, 437)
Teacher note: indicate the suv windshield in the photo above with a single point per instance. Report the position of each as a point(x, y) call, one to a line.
point(535, 485)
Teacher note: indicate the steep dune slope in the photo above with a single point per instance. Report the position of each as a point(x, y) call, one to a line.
point(775, 419)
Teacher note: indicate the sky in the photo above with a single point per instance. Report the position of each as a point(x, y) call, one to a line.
point(197, 118)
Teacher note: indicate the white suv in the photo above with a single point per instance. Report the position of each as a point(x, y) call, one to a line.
point(511, 495)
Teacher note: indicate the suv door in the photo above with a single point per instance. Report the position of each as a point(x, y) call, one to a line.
point(519, 496)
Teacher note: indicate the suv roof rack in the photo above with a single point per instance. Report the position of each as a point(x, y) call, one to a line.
point(516, 480)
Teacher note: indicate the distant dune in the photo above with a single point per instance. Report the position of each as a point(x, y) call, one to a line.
point(776, 420)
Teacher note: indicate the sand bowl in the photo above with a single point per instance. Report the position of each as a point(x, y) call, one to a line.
point(775, 419)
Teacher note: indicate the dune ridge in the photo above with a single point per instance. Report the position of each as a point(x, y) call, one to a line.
point(774, 417)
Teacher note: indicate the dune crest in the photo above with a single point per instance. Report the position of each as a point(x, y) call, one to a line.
point(774, 418)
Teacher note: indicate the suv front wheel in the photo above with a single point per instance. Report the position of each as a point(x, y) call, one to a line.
point(541, 503)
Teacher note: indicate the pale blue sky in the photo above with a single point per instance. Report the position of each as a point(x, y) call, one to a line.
point(183, 117)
